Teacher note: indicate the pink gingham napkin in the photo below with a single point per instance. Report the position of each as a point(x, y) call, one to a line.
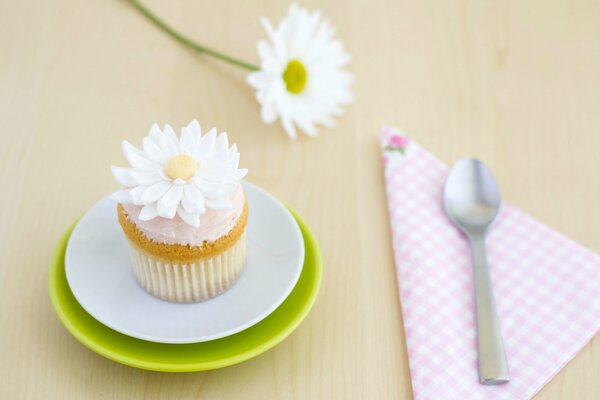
point(547, 287)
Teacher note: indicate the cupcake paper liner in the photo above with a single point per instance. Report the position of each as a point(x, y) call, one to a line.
point(188, 282)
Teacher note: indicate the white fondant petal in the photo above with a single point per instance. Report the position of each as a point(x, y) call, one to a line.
point(194, 128)
point(206, 145)
point(193, 200)
point(148, 212)
point(121, 196)
point(192, 219)
point(212, 172)
point(153, 151)
point(168, 130)
point(173, 196)
point(187, 143)
point(155, 192)
point(234, 160)
point(166, 211)
point(225, 191)
point(136, 195)
point(239, 174)
point(221, 145)
point(136, 158)
point(146, 177)
point(170, 148)
point(155, 133)
point(207, 188)
point(123, 176)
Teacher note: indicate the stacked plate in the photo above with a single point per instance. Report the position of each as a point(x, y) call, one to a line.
point(98, 300)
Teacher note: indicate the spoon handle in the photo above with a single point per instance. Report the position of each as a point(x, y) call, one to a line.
point(493, 367)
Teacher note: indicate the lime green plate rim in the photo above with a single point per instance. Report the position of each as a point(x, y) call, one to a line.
point(213, 354)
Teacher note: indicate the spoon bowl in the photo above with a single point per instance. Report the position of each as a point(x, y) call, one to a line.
point(471, 195)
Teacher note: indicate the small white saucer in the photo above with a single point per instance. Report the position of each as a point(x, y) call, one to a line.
point(99, 273)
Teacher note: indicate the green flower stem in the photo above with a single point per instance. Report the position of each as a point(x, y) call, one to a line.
point(189, 42)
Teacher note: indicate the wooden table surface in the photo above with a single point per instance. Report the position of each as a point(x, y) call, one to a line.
point(514, 83)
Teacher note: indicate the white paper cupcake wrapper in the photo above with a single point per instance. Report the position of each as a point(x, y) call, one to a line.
point(189, 282)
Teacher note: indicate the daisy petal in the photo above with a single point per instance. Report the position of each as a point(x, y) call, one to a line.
point(278, 45)
point(212, 170)
point(123, 176)
point(239, 174)
point(258, 79)
point(148, 212)
point(173, 196)
point(193, 200)
point(153, 151)
point(170, 148)
point(121, 196)
point(187, 142)
point(206, 187)
point(194, 128)
point(192, 219)
point(307, 126)
point(155, 133)
point(166, 211)
point(206, 145)
point(146, 177)
point(155, 192)
point(288, 125)
point(221, 145)
point(268, 113)
point(136, 195)
point(136, 158)
point(168, 130)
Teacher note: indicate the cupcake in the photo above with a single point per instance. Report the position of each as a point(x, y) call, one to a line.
point(184, 213)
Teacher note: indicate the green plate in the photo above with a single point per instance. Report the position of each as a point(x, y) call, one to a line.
point(187, 357)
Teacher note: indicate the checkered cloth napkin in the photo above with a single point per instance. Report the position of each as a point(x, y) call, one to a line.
point(547, 287)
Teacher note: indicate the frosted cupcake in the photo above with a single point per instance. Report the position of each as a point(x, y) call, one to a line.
point(184, 213)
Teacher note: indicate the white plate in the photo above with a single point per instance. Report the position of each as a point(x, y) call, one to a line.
point(99, 274)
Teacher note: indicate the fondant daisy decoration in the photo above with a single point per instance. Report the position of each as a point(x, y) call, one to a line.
point(180, 176)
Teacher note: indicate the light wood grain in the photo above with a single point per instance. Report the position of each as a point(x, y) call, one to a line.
point(514, 83)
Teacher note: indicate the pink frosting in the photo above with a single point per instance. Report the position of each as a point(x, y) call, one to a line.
point(213, 223)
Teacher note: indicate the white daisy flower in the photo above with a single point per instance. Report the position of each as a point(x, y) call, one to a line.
point(179, 176)
point(301, 80)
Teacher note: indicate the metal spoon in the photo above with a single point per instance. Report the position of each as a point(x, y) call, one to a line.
point(472, 201)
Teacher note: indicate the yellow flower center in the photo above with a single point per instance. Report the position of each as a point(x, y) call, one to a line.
point(181, 167)
point(295, 77)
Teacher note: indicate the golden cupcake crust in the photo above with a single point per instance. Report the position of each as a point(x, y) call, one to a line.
point(182, 253)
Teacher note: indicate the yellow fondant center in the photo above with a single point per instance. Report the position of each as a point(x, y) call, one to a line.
point(181, 167)
point(295, 77)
